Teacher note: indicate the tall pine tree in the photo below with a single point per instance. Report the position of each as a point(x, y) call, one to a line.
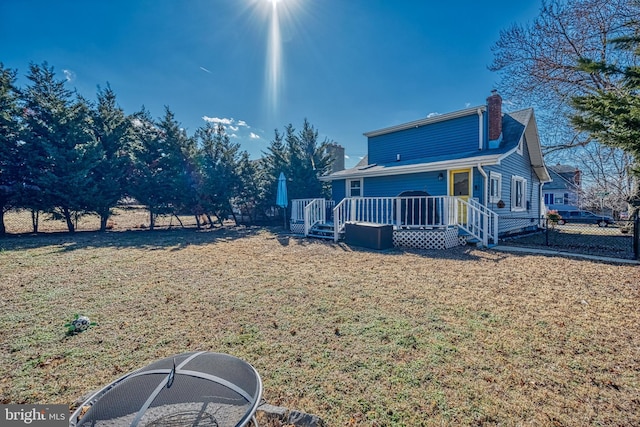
point(9, 140)
point(302, 158)
point(109, 174)
point(59, 147)
point(220, 166)
point(162, 176)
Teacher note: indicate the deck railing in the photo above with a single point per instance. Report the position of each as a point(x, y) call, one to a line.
point(314, 212)
point(298, 205)
point(419, 212)
point(401, 212)
point(413, 212)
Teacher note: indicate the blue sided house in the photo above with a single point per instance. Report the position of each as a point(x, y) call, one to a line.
point(470, 175)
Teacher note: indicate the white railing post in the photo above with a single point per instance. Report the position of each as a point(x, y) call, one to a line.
point(340, 212)
point(485, 227)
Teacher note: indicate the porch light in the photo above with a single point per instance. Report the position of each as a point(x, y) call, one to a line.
point(440, 177)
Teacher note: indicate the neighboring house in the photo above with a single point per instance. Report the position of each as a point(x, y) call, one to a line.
point(476, 170)
point(562, 193)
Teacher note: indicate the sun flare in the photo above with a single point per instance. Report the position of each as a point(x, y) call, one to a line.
point(280, 17)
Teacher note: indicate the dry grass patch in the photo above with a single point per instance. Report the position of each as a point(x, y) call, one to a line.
point(458, 337)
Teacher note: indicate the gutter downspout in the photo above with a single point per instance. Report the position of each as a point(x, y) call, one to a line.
point(481, 130)
point(542, 209)
point(485, 199)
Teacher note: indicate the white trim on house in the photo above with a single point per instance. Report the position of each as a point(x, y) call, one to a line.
point(522, 205)
point(480, 130)
point(349, 188)
point(392, 169)
point(535, 153)
point(426, 121)
point(495, 198)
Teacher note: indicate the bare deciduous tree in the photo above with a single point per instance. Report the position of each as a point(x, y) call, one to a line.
point(608, 182)
point(538, 62)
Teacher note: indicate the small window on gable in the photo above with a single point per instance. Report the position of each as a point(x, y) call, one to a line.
point(518, 193)
point(495, 187)
point(354, 188)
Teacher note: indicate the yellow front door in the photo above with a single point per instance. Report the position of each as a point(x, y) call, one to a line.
point(460, 186)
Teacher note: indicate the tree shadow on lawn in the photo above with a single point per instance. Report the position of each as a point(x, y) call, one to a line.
point(175, 238)
point(460, 253)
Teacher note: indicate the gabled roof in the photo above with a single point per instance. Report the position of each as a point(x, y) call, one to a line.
point(558, 168)
point(426, 121)
point(559, 178)
point(515, 126)
point(533, 144)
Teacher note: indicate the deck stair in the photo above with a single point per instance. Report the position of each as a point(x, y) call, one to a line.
point(471, 240)
point(322, 231)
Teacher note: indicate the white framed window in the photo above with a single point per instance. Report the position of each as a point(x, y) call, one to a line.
point(354, 187)
point(518, 193)
point(495, 187)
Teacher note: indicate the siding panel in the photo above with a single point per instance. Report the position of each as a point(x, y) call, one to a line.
point(391, 186)
point(338, 190)
point(517, 165)
point(441, 138)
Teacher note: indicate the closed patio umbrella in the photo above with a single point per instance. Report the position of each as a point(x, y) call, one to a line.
point(281, 197)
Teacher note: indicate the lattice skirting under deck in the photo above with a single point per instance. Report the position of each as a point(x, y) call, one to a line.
point(297, 227)
point(427, 239)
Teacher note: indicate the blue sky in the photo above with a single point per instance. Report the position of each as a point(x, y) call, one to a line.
point(348, 66)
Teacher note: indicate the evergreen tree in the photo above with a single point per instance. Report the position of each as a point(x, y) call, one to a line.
point(302, 158)
point(114, 137)
point(162, 178)
point(9, 140)
point(59, 148)
point(612, 115)
point(178, 164)
point(318, 162)
point(220, 165)
point(251, 195)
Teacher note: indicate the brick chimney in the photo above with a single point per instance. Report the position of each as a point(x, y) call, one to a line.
point(337, 154)
point(494, 108)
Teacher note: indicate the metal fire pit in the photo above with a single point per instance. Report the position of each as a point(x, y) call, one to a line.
point(189, 389)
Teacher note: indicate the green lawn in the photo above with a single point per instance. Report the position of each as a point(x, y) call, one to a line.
point(457, 337)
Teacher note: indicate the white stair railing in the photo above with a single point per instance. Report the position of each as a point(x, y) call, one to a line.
point(477, 220)
point(340, 217)
point(490, 221)
point(314, 213)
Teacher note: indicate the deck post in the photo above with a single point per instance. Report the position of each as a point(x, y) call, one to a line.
point(485, 228)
